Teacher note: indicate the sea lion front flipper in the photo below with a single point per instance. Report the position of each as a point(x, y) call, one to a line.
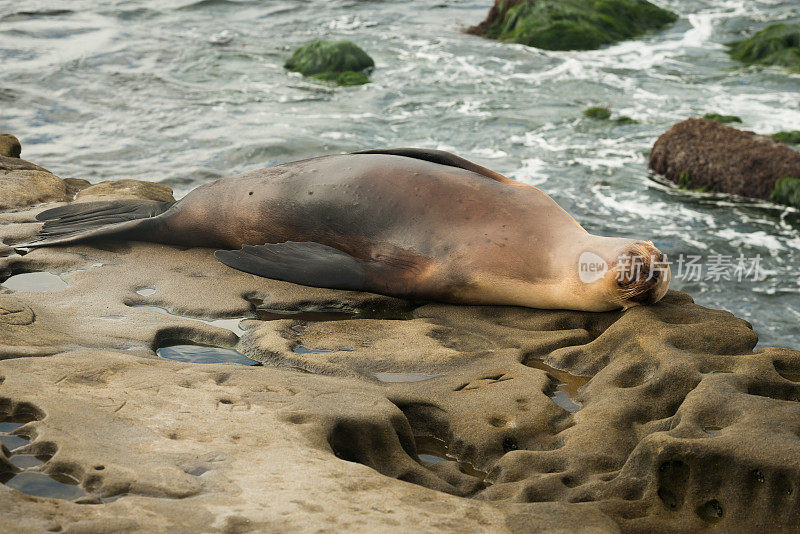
point(396, 272)
point(308, 263)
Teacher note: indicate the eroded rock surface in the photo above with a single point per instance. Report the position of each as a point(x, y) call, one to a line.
point(376, 414)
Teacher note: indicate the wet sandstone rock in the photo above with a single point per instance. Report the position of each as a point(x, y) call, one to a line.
point(571, 25)
point(704, 154)
point(22, 184)
point(657, 419)
point(9, 146)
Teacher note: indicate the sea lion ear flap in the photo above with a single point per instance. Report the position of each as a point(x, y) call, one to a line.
point(308, 263)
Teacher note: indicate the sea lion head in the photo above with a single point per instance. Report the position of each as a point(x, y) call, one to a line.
point(622, 273)
point(640, 275)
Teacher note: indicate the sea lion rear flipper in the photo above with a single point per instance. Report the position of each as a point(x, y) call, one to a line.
point(308, 263)
point(442, 158)
point(89, 220)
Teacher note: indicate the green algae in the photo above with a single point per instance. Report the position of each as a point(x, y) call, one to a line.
point(787, 191)
point(790, 138)
point(724, 119)
point(685, 183)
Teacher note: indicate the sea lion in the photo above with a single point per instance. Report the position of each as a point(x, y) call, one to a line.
point(413, 223)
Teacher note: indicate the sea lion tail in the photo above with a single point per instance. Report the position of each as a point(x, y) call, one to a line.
point(88, 220)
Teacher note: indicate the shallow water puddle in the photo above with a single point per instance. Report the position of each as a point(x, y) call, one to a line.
point(203, 354)
point(567, 385)
point(433, 450)
point(38, 281)
point(55, 486)
point(42, 485)
point(13, 442)
point(10, 426)
point(25, 461)
point(403, 377)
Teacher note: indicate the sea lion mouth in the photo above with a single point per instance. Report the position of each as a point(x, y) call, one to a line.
point(641, 275)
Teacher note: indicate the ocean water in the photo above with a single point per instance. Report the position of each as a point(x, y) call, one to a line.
point(186, 91)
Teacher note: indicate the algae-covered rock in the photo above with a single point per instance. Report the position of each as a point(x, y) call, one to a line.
point(787, 191)
point(597, 113)
point(9, 146)
point(790, 138)
point(604, 114)
point(624, 119)
point(113, 189)
point(341, 62)
point(724, 119)
point(571, 24)
point(778, 44)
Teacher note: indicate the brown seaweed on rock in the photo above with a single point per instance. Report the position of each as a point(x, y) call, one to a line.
point(704, 154)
